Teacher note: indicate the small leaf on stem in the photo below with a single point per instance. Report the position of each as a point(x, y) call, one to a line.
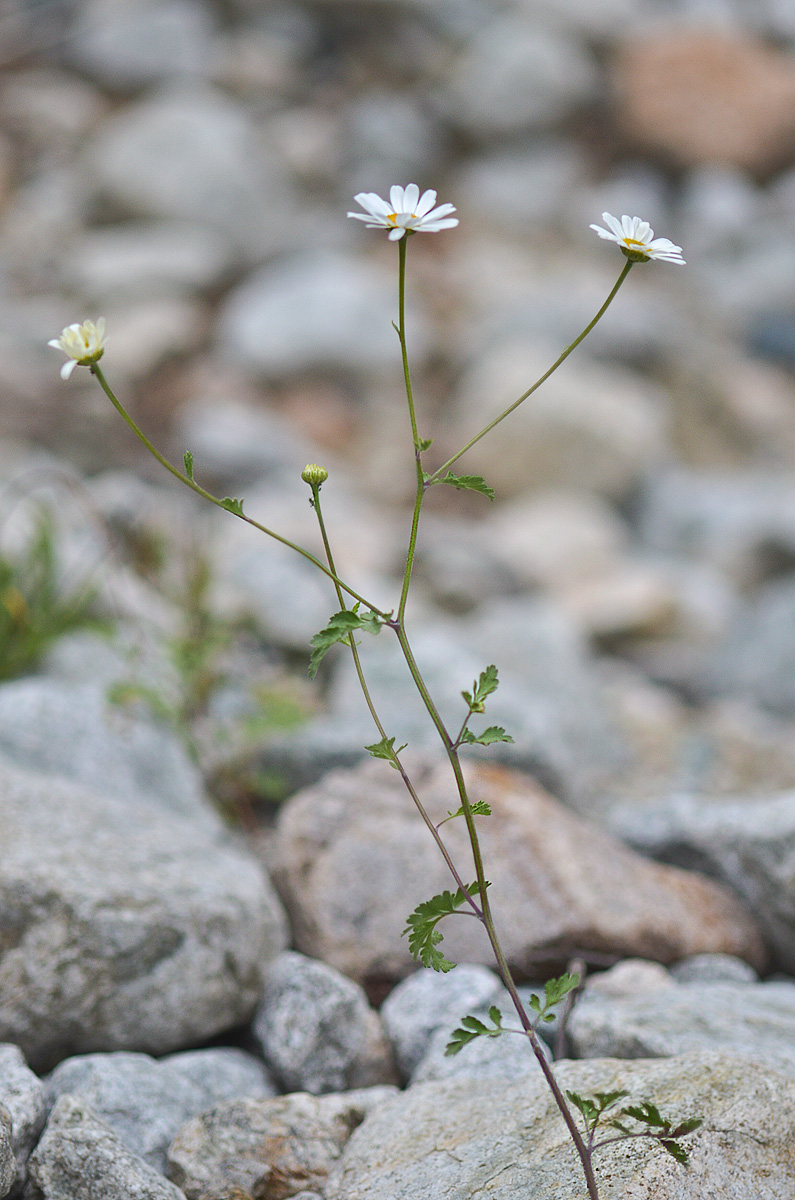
point(187, 458)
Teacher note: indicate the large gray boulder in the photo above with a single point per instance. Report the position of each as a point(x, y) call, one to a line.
point(746, 842)
point(8, 1162)
point(23, 1096)
point(505, 1138)
point(145, 1100)
point(352, 859)
point(756, 1020)
point(126, 927)
point(80, 1158)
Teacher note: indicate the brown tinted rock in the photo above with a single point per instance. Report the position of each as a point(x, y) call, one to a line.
point(707, 96)
point(352, 859)
point(269, 1148)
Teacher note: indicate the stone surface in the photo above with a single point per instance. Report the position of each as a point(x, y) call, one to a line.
point(324, 312)
point(748, 843)
point(705, 95)
point(419, 1006)
point(352, 859)
point(8, 1162)
point(713, 968)
point(507, 1057)
point(127, 928)
point(145, 1101)
point(69, 730)
point(589, 427)
point(274, 1148)
point(188, 152)
point(23, 1096)
point(504, 1138)
point(755, 660)
point(80, 1157)
point(753, 1020)
point(317, 1031)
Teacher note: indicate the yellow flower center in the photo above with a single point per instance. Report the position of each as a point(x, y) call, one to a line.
point(634, 242)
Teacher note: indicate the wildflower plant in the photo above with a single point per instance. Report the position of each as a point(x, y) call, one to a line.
point(405, 213)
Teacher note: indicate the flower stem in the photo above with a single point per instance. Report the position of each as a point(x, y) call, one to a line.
point(96, 370)
point(420, 489)
point(434, 478)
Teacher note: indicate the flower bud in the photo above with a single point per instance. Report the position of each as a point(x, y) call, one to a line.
point(314, 475)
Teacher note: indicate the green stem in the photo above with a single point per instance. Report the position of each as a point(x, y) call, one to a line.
point(371, 706)
point(420, 488)
point(194, 486)
point(583, 1151)
point(434, 478)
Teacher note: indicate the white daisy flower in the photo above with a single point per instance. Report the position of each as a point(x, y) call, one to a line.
point(636, 239)
point(82, 344)
point(406, 211)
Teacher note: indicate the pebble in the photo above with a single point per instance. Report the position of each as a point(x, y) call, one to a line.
point(23, 1098)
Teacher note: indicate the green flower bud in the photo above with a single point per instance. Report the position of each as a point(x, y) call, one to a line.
point(314, 475)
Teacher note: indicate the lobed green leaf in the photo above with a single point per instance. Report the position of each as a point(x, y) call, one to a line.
point(232, 506)
point(469, 483)
point(494, 733)
point(386, 749)
point(423, 935)
point(339, 629)
point(187, 459)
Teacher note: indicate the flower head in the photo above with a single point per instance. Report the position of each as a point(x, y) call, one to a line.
point(83, 345)
point(314, 475)
point(637, 241)
point(406, 211)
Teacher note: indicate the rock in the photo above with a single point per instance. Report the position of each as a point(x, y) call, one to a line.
point(588, 427)
point(485, 1058)
point(80, 1157)
point(267, 1147)
point(71, 731)
point(456, 1138)
point(755, 660)
point(713, 968)
point(317, 1031)
point(190, 153)
point(241, 443)
point(632, 977)
point(146, 1101)
point(145, 260)
point(512, 191)
point(754, 1020)
point(8, 1162)
point(127, 927)
point(23, 1097)
point(705, 95)
point(426, 1002)
point(563, 886)
point(147, 333)
point(745, 842)
point(327, 312)
point(386, 136)
point(127, 46)
point(516, 76)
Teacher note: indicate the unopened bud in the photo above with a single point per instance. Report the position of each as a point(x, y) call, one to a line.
point(314, 475)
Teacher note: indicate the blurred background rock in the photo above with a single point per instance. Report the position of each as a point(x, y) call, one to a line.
point(183, 167)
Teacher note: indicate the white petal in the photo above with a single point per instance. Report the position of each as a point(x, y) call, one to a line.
point(55, 343)
point(396, 234)
point(373, 203)
point(433, 226)
point(396, 198)
point(441, 211)
point(425, 203)
point(367, 216)
point(68, 367)
point(411, 197)
point(613, 223)
point(611, 237)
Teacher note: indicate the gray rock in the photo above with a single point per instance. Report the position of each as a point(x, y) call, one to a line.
point(316, 1029)
point(713, 968)
point(70, 730)
point(8, 1162)
point(191, 153)
point(756, 660)
point(511, 190)
point(424, 1003)
point(754, 1020)
point(515, 76)
point(277, 1147)
point(145, 1101)
point(80, 1157)
point(508, 1057)
point(591, 426)
point(239, 442)
point(352, 858)
point(324, 312)
point(145, 260)
point(126, 46)
point(748, 843)
point(23, 1096)
point(463, 1137)
point(389, 136)
point(126, 928)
